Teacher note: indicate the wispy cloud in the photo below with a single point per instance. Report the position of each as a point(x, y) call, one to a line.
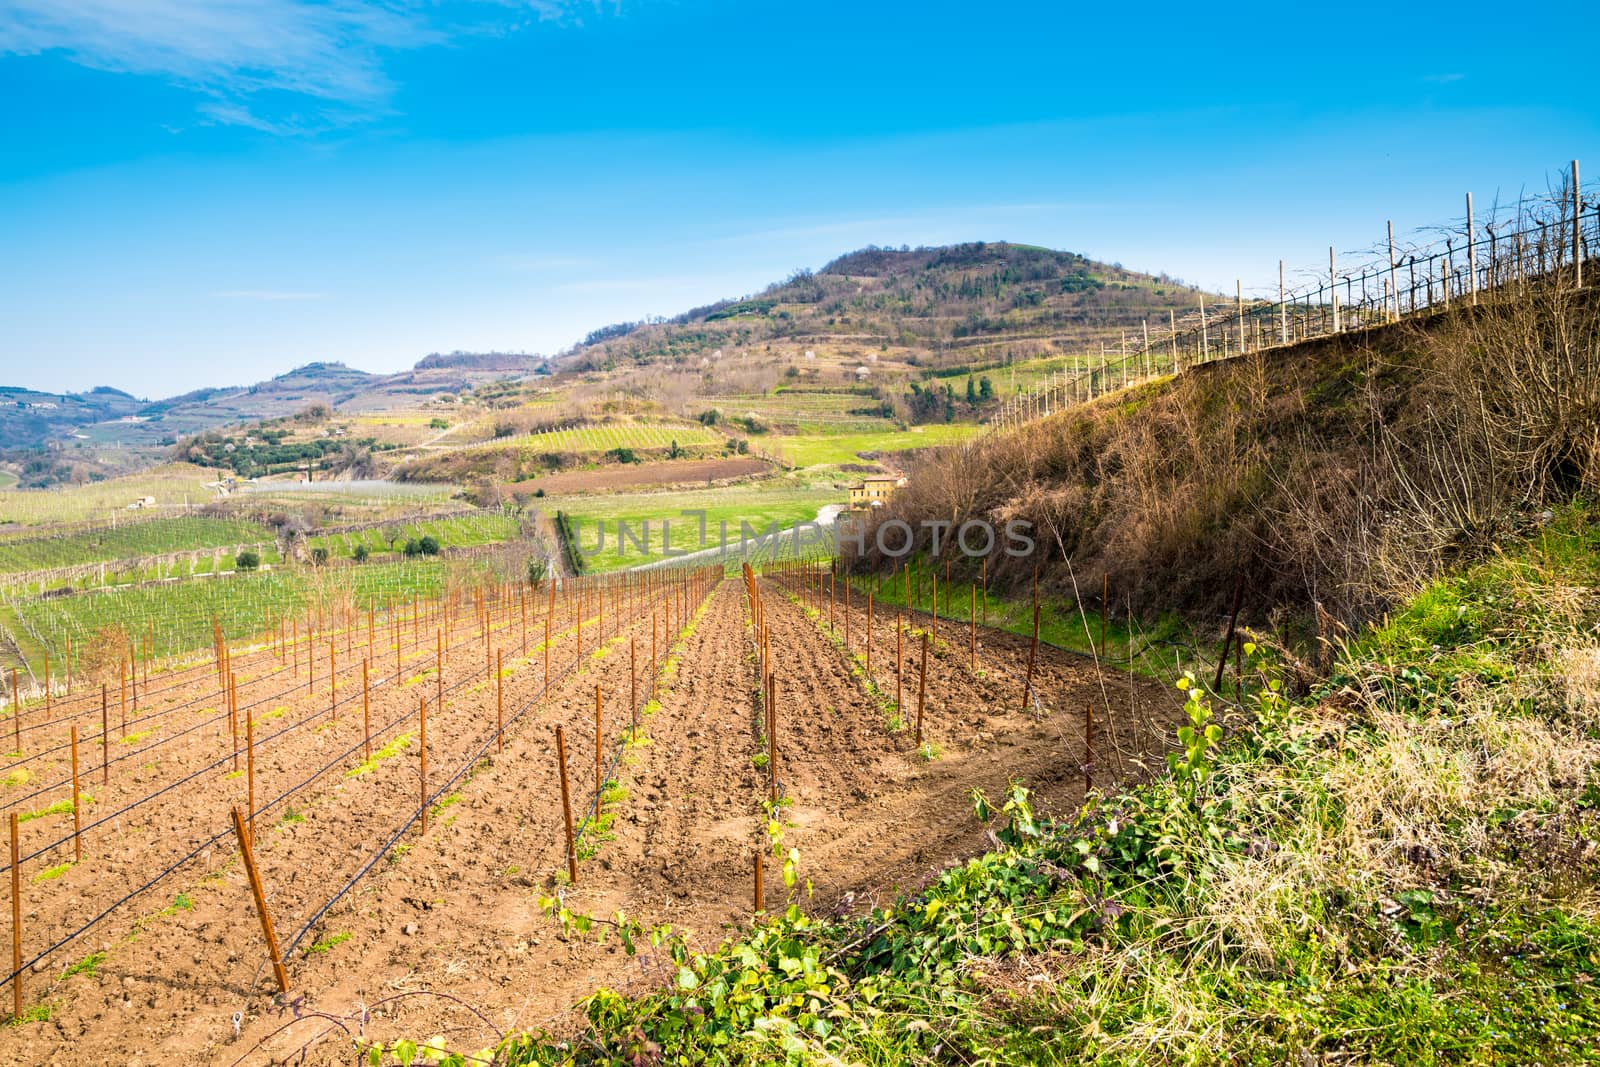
point(265, 295)
point(327, 58)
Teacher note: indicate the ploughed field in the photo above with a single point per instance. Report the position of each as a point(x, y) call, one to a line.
point(148, 947)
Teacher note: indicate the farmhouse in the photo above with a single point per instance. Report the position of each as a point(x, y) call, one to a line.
point(872, 492)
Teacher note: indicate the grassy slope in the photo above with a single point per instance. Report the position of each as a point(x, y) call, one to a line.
point(759, 505)
point(812, 450)
point(154, 537)
point(1400, 868)
point(172, 483)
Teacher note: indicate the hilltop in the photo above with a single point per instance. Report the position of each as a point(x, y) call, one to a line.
point(966, 304)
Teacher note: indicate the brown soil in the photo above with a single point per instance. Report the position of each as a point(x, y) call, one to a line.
point(446, 934)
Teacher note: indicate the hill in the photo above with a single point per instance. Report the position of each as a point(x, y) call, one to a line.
point(106, 431)
point(1337, 472)
point(983, 302)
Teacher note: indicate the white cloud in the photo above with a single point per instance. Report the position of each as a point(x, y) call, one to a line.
point(328, 56)
point(264, 294)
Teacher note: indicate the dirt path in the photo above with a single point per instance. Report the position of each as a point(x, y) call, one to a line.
point(694, 819)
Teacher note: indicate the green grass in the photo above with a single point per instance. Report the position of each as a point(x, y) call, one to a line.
point(88, 965)
point(759, 505)
point(327, 944)
point(812, 450)
point(1153, 648)
point(60, 807)
point(389, 751)
point(52, 873)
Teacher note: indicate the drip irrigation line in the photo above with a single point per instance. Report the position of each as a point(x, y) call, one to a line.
point(135, 753)
point(261, 809)
point(312, 717)
point(80, 931)
point(282, 796)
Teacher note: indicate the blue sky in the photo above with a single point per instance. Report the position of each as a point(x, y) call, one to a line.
point(209, 192)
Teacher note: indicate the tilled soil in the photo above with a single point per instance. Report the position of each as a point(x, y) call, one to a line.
point(446, 933)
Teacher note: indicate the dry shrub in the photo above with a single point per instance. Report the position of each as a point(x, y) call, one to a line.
point(1342, 471)
point(100, 658)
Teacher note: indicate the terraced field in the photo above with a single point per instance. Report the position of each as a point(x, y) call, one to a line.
point(803, 410)
point(173, 484)
point(758, 506)
point(605, 437)
point(152, 537)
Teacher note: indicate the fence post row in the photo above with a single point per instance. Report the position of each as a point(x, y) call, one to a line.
point(1544, 234)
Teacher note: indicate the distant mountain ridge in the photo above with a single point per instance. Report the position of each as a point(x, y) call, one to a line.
point(29, 418)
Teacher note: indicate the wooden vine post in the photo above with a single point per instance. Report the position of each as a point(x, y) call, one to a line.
point(899, 663)
point(499, 702)
point(566, 804)
point(760, 895)
point(1033, 651)
point(422, 757)
point(105, 739)
point(77, 807)
point(772, 737)
point(248, 855)
point(922, 688)
point(972, 637)
point(599, 782)
point(366, 710)
point(16, 924)
point(869, 634)
point(250, 768)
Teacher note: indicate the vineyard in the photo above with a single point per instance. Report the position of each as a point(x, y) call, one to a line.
point(604, 437)
point(401, 777)
point(173, 485)
point(169, 599)
point(805, 411)
point(150, 538)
